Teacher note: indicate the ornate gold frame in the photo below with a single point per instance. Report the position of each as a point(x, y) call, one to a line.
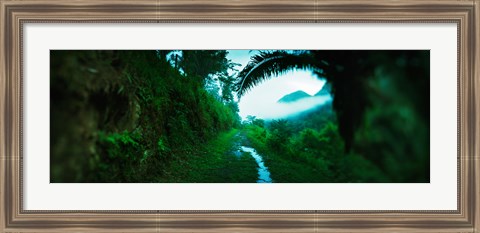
point(14, 13)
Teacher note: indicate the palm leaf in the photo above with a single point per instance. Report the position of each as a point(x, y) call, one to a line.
point(269, 64)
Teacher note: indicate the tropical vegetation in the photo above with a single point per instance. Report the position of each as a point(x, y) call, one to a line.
point(172, 116)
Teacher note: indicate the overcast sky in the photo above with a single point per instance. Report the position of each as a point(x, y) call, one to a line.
point(261, 101)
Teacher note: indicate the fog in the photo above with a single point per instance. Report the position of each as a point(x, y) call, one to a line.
point(261, 101)
point(285, 110)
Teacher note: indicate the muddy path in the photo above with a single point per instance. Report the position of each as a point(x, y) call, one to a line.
point(242, 148)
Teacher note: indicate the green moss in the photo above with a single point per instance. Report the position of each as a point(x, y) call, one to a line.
point(125, 116)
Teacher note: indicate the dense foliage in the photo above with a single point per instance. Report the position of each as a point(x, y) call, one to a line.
point(380, 98)
point(171, 116)
point(309, 149)
point(124, 116)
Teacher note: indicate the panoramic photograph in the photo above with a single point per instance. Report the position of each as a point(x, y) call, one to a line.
point(239, 116)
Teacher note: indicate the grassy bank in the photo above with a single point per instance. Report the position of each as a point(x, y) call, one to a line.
point(285, 170)
point(125, 116)
point(295, 162)
point(214, 162)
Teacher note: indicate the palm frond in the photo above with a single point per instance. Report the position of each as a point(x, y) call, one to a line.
point(269, 64)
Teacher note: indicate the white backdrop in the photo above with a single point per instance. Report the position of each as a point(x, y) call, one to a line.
point(439, 194)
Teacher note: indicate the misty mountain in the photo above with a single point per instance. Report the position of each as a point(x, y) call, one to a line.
point(298, 95)
point(326, 90)
point(285, 110)
point(315, 117)
point(293, 97)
